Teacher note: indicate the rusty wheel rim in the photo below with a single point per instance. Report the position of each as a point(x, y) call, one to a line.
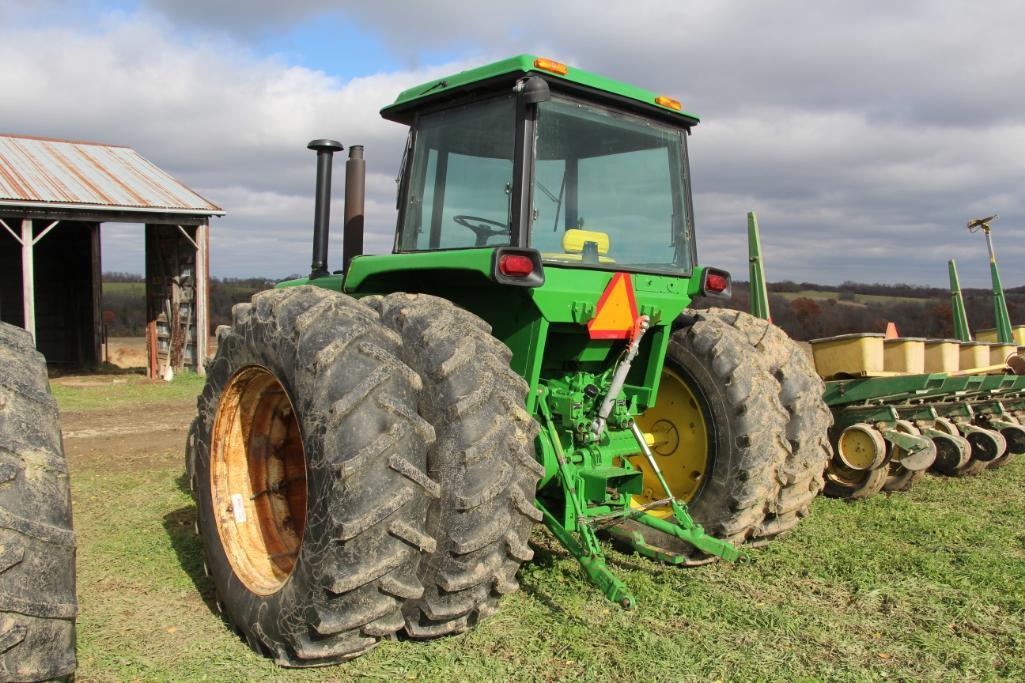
point(258, 479)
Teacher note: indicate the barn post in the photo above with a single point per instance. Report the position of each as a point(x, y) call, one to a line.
point(28, 295)
point(202, 295)
point(152, 368)
point(96, 275)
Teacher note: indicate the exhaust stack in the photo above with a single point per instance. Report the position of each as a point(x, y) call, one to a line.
point(322, 211)
point(355, 184)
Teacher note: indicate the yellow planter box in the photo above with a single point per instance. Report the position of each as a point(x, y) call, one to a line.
point(999, 353)
point(848, 354)
point(986, 335)
point(941, 355)
point(973, 355)
point(1017, 333)
point(904, 354)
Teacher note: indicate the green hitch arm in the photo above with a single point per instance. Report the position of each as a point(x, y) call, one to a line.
point(756, 270)
point(696, 536)
point(593, 564)
point(588, 553)
point(560, 457)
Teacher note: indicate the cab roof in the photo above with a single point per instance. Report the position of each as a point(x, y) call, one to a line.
point(494, 74)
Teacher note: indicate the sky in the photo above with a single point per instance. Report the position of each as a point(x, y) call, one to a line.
point(864, 135)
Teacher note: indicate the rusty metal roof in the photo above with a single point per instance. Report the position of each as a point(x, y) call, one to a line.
point(45, 172)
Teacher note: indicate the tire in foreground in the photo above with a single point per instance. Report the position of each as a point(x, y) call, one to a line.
point(37, 544)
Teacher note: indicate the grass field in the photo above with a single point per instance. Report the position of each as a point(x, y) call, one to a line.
point(924, 585)
point(823, 295)
point(93, 393)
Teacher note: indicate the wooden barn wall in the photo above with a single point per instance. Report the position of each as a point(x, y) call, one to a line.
point(176, 297)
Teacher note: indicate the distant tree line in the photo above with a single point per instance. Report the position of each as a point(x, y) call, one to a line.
point(125, 298)
point(929, 315)
point(917, 311)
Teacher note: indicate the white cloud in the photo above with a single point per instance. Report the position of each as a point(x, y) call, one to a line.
point(228, 123)
point(865, 135)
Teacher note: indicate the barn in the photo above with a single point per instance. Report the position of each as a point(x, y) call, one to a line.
point(54, 196)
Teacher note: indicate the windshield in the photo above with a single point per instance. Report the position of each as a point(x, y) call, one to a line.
point(608, 190)
point(461, 178)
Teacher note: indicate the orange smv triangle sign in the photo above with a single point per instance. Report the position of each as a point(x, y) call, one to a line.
point(616, 312)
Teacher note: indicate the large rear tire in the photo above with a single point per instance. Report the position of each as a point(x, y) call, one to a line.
point(740, 436)
point(310, 478)
point(483, 458)
point(37, 544)
point(808, 418)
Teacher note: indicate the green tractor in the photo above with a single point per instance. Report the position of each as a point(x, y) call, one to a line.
point(375, 445)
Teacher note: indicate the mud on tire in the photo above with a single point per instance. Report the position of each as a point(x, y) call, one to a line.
point(37, 544)
point(808, 418)
point(483, 458)
point(365, 448)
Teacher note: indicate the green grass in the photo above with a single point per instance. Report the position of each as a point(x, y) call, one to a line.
point(125, 288)
point(104, 391)
point(929, 584)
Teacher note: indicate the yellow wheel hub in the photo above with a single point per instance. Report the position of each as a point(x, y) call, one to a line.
point(258, 479)
point(860, 447)
point(676, 431)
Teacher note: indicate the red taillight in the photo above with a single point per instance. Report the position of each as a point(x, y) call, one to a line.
point(514, 265)
point(716, 283)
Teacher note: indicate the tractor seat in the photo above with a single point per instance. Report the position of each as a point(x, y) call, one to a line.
point(586, 246)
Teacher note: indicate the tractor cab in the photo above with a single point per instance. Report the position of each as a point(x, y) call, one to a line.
point(553, 203)
point(527, 153)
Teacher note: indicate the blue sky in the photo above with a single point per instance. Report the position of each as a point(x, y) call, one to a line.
point(865, 135)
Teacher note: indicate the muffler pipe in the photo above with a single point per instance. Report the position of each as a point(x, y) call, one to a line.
point(355, 189)
point(322, 209)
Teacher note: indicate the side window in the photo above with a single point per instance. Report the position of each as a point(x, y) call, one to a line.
point(461, 178)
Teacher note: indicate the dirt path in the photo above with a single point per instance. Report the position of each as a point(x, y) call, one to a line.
point(127, 438)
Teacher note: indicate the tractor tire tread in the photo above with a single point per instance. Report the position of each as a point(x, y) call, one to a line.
point(484, 438)
point(741, 494)
point(808, 422)
point(366, 474)
point(38, 606)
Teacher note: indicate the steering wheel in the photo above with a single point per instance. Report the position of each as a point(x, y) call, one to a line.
point(483, 228)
